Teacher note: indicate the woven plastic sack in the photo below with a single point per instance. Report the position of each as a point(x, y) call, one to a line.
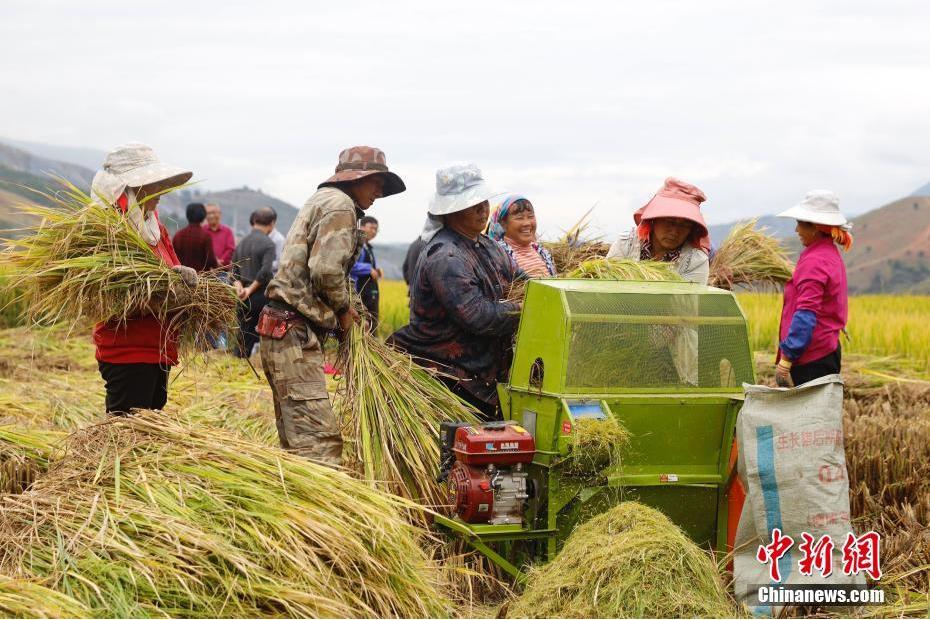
point(793, 466)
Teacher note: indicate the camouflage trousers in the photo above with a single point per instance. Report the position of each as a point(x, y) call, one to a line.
point(304, 416)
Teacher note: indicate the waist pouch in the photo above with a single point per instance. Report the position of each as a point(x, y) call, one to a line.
point(273, 323)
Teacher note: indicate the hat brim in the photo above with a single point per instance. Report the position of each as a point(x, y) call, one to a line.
point(665, 206)
point(803, 214)
point(164, 176)
point(453, 203)
point(393, 184)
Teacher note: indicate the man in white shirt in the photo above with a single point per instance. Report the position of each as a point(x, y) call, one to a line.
point(276, 237)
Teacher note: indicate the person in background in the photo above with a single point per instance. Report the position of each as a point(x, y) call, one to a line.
point(513, 226)
point(276, 237)
point(365, 272)
point(192, 244)
point(458, 323)
point(135, 356)
point(309, 297)
point(815, 306)
point(670, 228)
point(224, 241)
point(251, 272)
point(410, 261)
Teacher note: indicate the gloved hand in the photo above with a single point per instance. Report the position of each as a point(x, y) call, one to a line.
point(187, 274)
point(783, 374)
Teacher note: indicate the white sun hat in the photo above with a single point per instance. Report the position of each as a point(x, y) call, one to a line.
point(134, 165)
point(458, 187)
point(820, 206)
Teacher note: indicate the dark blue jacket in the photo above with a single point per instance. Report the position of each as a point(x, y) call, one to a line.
point(458, 321)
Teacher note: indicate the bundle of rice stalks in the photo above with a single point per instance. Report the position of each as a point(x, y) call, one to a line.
point(595, 445)
point(21, 598)
point(393, 409)
point(749, 256)
point(625, 269)
point(24, 455)
point(629, 562)
point(151, 516)
point(572, 248)
point(85, 262)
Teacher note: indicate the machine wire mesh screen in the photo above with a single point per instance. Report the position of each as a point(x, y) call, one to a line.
point(693, 341)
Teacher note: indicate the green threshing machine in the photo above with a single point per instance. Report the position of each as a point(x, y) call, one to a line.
point(665, 359)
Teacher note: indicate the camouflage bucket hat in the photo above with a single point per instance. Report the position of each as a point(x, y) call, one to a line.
point(361, 161)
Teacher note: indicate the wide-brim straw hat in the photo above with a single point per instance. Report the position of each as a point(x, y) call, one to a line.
point(357, 162)
point(820, 206)
point(135, 165)
point(458, 187)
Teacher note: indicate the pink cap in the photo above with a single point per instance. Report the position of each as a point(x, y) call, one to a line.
point(676, 199)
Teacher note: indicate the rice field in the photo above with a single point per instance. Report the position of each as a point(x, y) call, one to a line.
point(49, 384)
point(891, 328)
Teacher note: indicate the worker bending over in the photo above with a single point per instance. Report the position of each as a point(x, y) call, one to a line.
point(458, 321)
point(309, 296)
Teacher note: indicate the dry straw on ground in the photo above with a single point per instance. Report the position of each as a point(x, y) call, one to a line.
point(23, 598)
point(629, 562)
point(150, 516)
point(84, 263)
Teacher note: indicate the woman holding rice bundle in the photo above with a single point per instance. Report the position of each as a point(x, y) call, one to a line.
point(459, 324)
point(136, 355)
point(670, 228)
point(815, 306)
point(513, 226)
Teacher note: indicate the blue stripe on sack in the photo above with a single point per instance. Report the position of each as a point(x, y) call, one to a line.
point(765, 454)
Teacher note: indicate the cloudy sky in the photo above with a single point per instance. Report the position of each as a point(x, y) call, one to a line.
point(574, 104)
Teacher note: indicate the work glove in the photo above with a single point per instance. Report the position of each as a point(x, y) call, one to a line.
point(188, 275)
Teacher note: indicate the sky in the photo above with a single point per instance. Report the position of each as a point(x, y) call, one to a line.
point(573, 104)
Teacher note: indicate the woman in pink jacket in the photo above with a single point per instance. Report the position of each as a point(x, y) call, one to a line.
point(815, 302)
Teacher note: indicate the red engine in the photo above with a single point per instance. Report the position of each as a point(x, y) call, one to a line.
point(488, 481)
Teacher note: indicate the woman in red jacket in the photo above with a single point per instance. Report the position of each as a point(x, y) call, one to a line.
point(136, 355)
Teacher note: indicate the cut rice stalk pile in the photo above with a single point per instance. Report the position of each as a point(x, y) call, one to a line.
point(21, 598)
point(625, 269)
point(24, 455)
point(152, 516)
point(393, 409)
point(572, 249)
point(749, 256)
point(595, 446)
point(629, 562)
point(85, 263)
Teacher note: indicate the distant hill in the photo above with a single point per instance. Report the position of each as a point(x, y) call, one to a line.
point(18, 160)
point(87, 158)
point(20, 167)
point(891, 253)
point(923, 190)
point(236, 204)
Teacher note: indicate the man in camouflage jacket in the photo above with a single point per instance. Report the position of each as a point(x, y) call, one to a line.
point(309, 297)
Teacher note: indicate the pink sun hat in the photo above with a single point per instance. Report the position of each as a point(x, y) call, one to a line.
point(677, 199)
